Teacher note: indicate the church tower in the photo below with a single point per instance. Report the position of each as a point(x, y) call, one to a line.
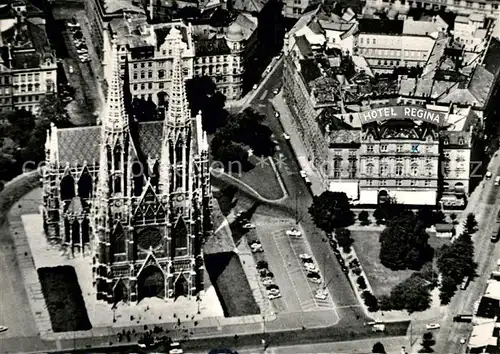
point(151, 211)
point(113, 234)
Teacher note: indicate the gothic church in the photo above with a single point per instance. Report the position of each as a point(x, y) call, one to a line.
point(136, 197)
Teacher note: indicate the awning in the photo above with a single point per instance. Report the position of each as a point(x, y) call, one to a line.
point(414, 197)
point(349, 188)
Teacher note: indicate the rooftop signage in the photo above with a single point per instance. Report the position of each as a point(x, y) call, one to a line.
point(402, 112)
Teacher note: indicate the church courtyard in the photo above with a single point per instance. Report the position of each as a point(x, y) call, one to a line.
point(148, 311)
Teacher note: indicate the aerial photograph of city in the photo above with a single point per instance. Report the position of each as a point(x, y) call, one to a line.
point(250, 176)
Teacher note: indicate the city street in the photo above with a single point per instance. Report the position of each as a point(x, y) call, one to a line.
point(299, 200)
point(486, 253)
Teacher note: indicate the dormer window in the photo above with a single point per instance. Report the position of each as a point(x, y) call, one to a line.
point(461, 141)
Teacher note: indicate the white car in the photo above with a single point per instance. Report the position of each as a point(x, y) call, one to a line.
point(305, 257)
point(433, 326)
point(82, 51)
point(488, 175)
point(310, 267)
point(303, 174)
point(463, 340)
point(286, 136)
point(3, 328)
point(254, 87)
point(71, 69)
point(293, 232)
point(321, 294)
point(315, 279)
point(248, 226)
point(73, 25)
point(276, 91)
point(256, 247)
point(272, 297)
point(267, 281)
point(273, 291)
point(276, 114)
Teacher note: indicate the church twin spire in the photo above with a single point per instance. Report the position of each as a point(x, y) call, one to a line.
point(114, 117)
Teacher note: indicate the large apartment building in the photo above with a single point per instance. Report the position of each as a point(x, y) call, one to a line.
point(220, 53)
point(28, 67)
point(406, 137)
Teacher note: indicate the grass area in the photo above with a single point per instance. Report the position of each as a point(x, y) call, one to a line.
point(231, 284)
point(382, 279)
point(64, 299)
point(261, 178)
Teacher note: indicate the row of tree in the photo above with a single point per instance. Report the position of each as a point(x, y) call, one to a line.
point(456, 261)
point(23, 134)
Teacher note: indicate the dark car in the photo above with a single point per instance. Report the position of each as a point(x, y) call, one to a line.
point(334, 244)
point(462, 318)
point(341, 261)
point(222, 351)
point(345, 269)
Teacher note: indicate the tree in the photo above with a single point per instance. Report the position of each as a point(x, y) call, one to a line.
point(470, 223)
point(364, 218)
point(453, 218)
point(231, 154)
point(404, 243)
point(370, 301)
point(54, 110)
point(378, 348)
point(361, 282)
point(331, 210)
point(456, 260)
point(203, 96)
point(344, 239)
point(412, 295)
point(447, 290)
point(427, 343)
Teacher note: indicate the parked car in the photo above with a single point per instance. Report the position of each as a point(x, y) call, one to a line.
point(248, 226)
point(307, 180)
point(267, 281)
point(433, 326)
point(286, 136)
point(463, 340)
point(305, 257)
point(71, 69)
point(310, 267)
point(463, 318)
point(345, 269)
point(314, 278)
point(488, 175)
point(354, 264)
point(341, 261)
point(465, 283)
point(334, 244)
point(256, 246)
point(276, 91)
point(321, 294)
point(3, 328)
point(303, 174)
point(293, 232)
point(273, 297)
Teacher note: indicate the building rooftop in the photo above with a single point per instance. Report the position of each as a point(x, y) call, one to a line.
point(249, 5)
point(482, 335)
point(373, 26)
point(211, 46)
point(122, 6)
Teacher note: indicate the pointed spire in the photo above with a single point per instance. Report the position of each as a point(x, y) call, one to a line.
point(114, 116)
point(178, 108)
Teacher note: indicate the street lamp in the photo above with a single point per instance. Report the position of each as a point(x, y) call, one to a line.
point(198, 300)
point(263, 341)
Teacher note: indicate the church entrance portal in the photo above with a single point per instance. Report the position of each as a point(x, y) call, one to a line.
point(383, 197)
point(120, 292)
point(151, 283)
point(180, 287)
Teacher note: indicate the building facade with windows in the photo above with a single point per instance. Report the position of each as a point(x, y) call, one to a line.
point(463, 7)
point(413, 154)
point(147, 53)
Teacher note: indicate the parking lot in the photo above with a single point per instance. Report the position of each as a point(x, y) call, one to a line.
point(281, 252)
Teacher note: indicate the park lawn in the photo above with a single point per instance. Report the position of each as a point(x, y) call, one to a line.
point(261, 178)
point(64, 299)
point(382, 279)
point(230, 282)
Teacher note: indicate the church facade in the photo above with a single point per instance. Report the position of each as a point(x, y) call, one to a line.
point(133, 196)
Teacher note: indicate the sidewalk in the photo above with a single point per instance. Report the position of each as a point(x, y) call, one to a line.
point(286, 119)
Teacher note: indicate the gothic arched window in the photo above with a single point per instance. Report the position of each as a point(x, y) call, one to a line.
point(171, 151)
point(67, 231)
point(85, 231)
point(117, 157)
point(67, 187)
point(178, 150)
point(85, 185)
point(138, 177)
point(118, 239)
point(75, 232)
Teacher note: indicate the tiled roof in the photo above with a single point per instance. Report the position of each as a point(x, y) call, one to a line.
point(77, 145)
point(344, 137)
point(368, 25)
point(454, 137)
point(491, 62)
point(28, 60)
point(249, 5)
point(481, 85)
point(150, 135)
point(303, 45)
point(213, 46)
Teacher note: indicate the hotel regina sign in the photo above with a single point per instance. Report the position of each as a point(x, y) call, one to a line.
point(402, 112)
